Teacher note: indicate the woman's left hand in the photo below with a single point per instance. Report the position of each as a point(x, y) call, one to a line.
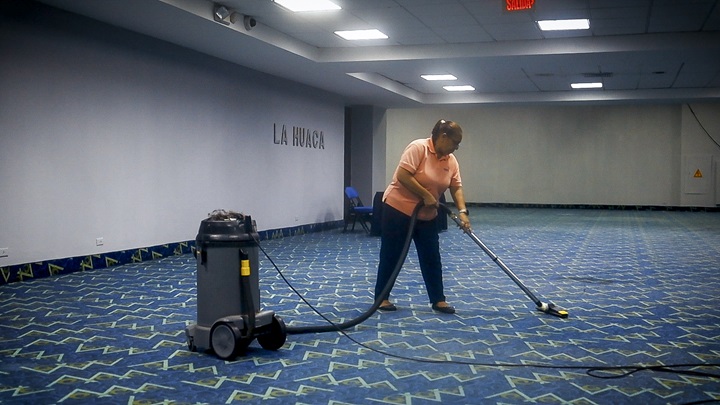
point(464, 222)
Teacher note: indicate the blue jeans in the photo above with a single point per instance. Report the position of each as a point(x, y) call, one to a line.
point(395, 226)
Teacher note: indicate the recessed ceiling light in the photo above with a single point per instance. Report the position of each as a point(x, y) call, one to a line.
point(465, 87)
point(361, 34)
point(438, 77)
point(561, 25)
point(308, 5)
point(594, 85)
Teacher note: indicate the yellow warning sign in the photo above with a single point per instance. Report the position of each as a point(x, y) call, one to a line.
point(698, 173)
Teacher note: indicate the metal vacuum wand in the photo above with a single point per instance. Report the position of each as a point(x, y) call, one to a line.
point(548, 308)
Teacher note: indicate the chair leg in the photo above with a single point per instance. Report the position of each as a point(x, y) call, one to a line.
point(364, 225)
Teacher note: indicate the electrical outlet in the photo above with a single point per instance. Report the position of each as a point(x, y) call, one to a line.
point(99, 242)
point(4, 252)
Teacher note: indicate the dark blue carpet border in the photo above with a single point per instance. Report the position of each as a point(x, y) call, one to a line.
point(56, 267)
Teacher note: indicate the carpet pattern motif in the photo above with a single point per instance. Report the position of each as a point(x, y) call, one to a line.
point(640, 286)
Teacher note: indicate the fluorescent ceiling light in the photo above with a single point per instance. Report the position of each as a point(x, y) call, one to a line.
point(438, 77)
point(465, 87)
point(308, 5)
point(560, 25)
point(361, 34)
point(595, 85)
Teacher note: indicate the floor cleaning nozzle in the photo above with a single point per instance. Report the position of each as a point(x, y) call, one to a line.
point(552, 309)
point(548, 308)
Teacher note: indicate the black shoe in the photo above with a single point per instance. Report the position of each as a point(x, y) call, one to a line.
point(389, 307)
point(445, 310)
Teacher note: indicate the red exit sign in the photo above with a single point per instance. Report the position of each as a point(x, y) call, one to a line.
point(513, 5)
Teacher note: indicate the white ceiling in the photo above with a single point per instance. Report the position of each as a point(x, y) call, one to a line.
point(641, 50)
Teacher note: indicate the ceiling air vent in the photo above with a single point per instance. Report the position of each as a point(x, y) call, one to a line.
point(598, 75)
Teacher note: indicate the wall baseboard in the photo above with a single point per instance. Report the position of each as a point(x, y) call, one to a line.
point(56, 267)
point(598, 207)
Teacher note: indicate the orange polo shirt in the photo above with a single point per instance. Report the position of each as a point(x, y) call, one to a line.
point(435, 175)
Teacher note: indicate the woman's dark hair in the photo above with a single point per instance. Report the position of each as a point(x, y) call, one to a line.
point(445, 126)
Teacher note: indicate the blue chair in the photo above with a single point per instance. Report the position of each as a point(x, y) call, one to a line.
point(358, 211)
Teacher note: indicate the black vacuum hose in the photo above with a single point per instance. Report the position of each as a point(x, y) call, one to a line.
point(548, 308)
point(297, 330)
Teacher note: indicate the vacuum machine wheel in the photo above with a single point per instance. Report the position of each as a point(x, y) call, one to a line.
point(276, 336)
point(226, 341)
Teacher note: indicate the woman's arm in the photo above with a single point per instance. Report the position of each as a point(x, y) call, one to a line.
point(410, 182)
point(457, 195)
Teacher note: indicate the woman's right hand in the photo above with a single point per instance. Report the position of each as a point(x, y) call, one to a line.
point(430, 201)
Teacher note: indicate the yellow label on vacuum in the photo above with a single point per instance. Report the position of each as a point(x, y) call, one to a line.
point(245, 268)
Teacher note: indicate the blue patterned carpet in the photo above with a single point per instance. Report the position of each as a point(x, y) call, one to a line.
point(641, 288)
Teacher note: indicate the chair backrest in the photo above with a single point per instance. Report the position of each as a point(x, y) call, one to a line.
point(353, 196)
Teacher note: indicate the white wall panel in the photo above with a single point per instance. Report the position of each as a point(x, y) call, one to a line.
point(104, 133)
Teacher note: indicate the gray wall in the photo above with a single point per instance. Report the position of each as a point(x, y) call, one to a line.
point(598, 155)
point(367, 151)
point(108, 134)
point(700, 122)
point(361, 151)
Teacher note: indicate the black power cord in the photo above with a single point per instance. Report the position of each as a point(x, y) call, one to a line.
point(331, 327)
point(702, 126)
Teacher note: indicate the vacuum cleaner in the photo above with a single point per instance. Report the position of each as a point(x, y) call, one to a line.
point(226, 254)
point(228, 291)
